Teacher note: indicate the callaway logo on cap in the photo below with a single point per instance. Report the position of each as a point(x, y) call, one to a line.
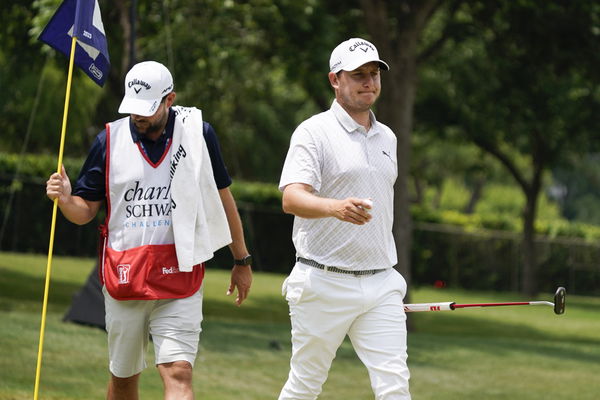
point(145, 86)
point(353, 53)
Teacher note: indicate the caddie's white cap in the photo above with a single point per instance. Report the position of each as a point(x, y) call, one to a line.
point(146, 84)
point(353, 53)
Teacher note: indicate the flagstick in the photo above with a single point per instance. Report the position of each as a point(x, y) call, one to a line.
point(53, 224)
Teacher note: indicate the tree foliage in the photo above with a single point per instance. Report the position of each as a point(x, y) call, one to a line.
point(233, 77)
point(522, 86)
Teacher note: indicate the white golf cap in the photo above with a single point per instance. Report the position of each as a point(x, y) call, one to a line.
point(146, 84)
point(353, 53)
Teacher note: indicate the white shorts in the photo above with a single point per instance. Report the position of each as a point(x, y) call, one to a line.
point(174, 325)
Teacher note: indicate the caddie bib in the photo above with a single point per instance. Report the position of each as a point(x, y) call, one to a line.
point(139, 261)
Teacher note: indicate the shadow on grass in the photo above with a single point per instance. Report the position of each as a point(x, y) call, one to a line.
point(27, 289)
point(497, 338)
point(270, 309)
point(453, 324)
point(584, 303)
point(244, 337)
point(422, 346)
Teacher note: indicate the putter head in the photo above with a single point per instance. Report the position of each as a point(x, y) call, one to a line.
point(559, 300)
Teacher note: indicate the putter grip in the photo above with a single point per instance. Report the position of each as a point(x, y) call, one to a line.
point(446, 306)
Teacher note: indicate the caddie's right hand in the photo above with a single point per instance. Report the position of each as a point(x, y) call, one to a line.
point(58, 186)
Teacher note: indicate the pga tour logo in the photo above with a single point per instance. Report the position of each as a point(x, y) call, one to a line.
point(95, 71)
point(123, 270)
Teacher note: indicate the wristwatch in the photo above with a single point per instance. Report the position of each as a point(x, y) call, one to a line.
point(244, 261)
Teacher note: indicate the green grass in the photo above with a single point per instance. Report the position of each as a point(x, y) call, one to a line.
point(516, 353)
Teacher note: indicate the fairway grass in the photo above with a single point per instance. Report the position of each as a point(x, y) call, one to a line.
point(516, 353)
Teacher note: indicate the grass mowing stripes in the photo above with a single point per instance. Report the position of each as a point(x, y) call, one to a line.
point(516, 353)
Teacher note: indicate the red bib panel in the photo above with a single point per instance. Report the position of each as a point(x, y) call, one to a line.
point(148, 272)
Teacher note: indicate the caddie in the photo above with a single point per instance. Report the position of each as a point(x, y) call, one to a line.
point(160, 174)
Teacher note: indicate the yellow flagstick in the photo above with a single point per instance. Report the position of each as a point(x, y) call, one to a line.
point(53, 224)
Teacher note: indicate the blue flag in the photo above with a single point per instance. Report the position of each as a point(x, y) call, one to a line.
point(82, 19)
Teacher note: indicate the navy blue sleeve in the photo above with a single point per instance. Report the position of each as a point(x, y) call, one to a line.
point(220, 173)
point(91, 183)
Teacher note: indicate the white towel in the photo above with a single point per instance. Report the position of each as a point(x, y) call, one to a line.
point(199, 222)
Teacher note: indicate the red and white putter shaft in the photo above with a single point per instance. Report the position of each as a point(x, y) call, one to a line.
point(559, 304)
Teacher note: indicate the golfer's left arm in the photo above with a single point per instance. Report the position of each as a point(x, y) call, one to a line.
point(241, 275)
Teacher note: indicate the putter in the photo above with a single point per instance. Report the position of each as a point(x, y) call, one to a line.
point(558, 304)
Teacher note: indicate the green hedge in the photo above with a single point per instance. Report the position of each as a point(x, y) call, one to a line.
point(503, 222)
point(261, 194)
point(36, 168)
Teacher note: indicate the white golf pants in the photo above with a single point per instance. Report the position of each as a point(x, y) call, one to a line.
point(327, 306)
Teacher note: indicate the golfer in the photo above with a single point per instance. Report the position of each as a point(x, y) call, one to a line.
point(161, 176)
point(337, 181)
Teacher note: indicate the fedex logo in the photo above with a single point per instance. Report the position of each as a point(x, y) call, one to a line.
point(170, 270)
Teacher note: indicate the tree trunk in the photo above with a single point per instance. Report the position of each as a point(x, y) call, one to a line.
point(397, 110)
point(529, 275)
point(475, 196)
point(124, 11)
point(531, 190)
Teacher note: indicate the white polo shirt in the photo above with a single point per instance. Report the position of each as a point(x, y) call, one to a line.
point(337, 157)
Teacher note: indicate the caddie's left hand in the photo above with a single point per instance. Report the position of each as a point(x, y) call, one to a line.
point(241, 278)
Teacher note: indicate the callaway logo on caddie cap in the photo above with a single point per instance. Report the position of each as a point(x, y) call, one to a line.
point(345, 57)
point(145, 86)
point(140, 83)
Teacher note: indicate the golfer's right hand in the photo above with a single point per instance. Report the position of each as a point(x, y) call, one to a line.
point(352, 209)
point(59, 186)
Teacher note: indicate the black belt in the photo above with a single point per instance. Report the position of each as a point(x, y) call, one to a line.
point(315, 264)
